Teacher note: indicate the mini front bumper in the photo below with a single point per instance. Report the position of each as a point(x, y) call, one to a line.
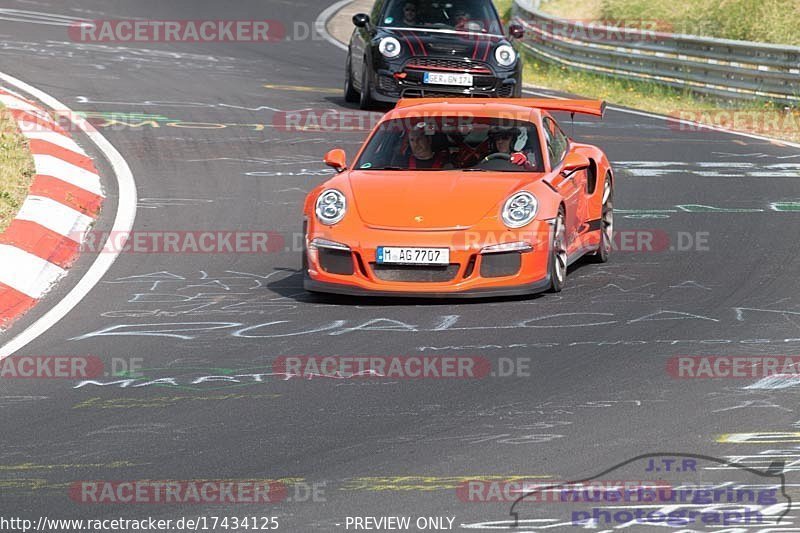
point(388, 87)
point(471, 273)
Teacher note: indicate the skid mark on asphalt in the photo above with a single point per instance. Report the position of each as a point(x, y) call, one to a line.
point(15, 401)
point(156, 203)
point(27, 467)
point(165, 401)
point(407, 483)
point(760, 438)
point(23, 486)
point(708, 169)
point(302, 88)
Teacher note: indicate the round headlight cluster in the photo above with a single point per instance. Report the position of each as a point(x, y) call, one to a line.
point(520, 209)
point(505, 55)
point(389, 47)
point(331, 207)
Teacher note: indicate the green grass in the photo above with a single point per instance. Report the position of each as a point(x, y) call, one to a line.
point(16, 169)
point(769, 21)
point(504, 8)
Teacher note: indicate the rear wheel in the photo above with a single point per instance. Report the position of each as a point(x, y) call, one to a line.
point(350, 93)
point(606, 224)
point(558, 253)
point(366, 102)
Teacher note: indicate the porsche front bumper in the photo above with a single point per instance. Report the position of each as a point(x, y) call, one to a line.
point(477, 268)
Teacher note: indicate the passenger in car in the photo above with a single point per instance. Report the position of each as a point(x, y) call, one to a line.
point(510, 141)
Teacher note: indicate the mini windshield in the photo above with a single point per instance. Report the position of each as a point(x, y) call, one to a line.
point(454, 143)
point(460, 15)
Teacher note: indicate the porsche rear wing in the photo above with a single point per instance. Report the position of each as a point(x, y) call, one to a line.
point(585, 107)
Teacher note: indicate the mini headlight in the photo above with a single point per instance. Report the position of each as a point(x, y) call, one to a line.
point(520, 209)
point(389, 47)
point(505, 55)
point(331, 207)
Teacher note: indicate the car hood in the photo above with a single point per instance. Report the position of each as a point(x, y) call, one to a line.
point(430, 43)
point(430, 200)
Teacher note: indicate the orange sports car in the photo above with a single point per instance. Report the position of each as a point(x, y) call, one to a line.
point(460, 198)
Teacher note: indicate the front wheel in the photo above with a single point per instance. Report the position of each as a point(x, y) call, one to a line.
point(558, 254)
point(366, 102)
point(350, 93)
point(304, 259)
point(606, 224)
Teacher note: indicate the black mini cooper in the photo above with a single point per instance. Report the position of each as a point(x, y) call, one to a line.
point(408, 48)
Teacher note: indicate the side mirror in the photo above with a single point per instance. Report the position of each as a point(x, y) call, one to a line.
point(361, 20)
point(516, 31)
point(573, 163)
point(337, 159)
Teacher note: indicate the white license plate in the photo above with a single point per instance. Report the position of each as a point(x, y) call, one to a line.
point(412, 256)
point(443, 78)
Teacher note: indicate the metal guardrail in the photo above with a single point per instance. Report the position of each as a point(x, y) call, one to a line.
point(722, 67)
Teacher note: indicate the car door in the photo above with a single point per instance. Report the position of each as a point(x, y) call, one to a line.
point(557, 146)
point(581, 181)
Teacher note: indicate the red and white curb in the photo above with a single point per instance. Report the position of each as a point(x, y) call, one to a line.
point(63, 202)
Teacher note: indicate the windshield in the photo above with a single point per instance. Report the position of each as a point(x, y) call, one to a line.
point(454, 143)
point(461, 15)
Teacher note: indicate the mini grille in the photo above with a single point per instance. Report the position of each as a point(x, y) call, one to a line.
point(448, 64)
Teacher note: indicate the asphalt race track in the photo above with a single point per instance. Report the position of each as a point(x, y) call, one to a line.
point(722, 279)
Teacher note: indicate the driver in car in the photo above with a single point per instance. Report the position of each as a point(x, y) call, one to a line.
point(502, 143)
point(463, 22)
point(410, 14)
point(422, 154)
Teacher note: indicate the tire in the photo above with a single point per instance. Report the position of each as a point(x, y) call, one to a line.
point(366, 102)
point(557, 265)
point(304, 259)
point(350, 94)
point(607, 224)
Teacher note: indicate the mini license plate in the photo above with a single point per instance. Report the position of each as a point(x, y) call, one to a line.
point(444, 78)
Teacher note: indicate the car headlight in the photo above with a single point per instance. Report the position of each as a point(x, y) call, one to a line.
point(520, 209)
point(505, 55)
point(331, 207)
point(389, 47)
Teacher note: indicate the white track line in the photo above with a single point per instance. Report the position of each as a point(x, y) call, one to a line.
point(321, 24)
point(123, 222)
